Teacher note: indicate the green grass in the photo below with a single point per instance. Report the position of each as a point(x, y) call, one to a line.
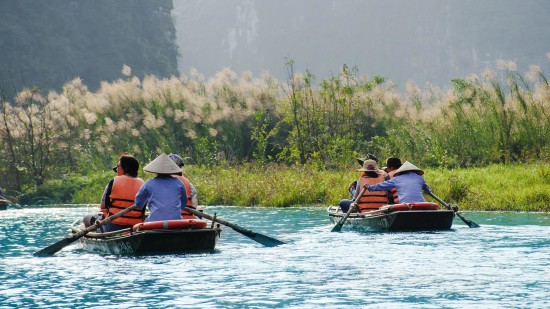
point(495, 187)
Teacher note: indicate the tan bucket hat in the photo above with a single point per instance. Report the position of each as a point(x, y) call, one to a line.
point(162, 165)
point(407, 167)
point(369, 166)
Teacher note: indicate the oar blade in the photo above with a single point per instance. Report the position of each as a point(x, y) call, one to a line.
point(52, 249)
point(338, 226)
point(257, 237)
point(266, 240)
point(468, 222)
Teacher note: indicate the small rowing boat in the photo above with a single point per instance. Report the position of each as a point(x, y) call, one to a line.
point(398, 217)
point(164, 237)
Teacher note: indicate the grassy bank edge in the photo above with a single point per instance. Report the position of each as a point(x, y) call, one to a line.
point(498, 187)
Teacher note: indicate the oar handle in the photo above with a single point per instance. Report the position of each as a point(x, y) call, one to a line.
point(340, 223)
point(440, 201)
point(209, 217)
point(468, 222)
point(52, 249)
point(260, 238)
point(99, 223)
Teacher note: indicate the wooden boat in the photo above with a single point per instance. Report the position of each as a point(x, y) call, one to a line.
point(164, 237)
point(8, 202)
point(398, 217)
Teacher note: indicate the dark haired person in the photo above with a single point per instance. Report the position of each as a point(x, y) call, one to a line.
point(392, 165)
point(408, 182)
point(120, 194)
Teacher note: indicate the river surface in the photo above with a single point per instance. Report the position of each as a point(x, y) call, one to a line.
point(503, 264)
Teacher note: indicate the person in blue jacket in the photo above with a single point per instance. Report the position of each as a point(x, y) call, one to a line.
point(408, 182)
point(164, 195)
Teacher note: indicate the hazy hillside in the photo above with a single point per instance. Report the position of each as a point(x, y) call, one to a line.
point(423, 40)
point(47, 43)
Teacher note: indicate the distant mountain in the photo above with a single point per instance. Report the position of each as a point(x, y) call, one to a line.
point(422, 40)
point(47, 43)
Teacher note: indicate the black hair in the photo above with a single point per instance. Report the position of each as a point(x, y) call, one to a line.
point(371, 174)
point(129, 164)
point(393, 162)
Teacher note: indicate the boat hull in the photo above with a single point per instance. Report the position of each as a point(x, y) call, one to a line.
point(151, 241)
point(3, 205)
point(411, 220)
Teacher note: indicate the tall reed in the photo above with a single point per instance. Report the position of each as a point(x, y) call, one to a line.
point(229, 120)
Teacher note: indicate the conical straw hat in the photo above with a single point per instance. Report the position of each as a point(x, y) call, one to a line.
point(408, 166)
point(162, 165)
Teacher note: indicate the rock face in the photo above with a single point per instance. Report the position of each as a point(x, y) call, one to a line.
point(421, 40)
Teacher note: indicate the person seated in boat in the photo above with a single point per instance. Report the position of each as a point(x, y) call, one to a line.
point(408, 182)
point(370, 200)
point(353, 185)
point(164, 195)
point(119, 195)
point(192, 200)
point(392, 164)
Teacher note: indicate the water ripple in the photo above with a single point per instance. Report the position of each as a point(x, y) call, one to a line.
point(503, 264)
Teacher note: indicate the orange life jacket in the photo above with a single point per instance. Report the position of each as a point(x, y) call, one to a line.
point(371, 200)
point(185, 214)
point(123, 195)
point(393, 191)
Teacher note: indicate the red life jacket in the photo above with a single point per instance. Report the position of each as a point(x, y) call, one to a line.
point(123, 195)
point(185, 214)
point(393, 191)
point(371, 200)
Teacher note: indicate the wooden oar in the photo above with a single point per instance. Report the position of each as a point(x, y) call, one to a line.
point(257, 237)
point(340, 223)
point(468, 222)
point(16, 205)
point(9, 202)
point(52, 249)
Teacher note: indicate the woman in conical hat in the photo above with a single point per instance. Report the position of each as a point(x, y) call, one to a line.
point(408, 167)
point(164, 195)
point(408, 182)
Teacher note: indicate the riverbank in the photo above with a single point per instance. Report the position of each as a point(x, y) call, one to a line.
point(496, 187)
point(523, 187)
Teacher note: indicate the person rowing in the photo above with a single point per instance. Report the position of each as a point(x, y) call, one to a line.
point(164, 195)
point(118, 195)
point(408, 182)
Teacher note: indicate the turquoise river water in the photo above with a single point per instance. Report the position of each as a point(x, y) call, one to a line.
point(503, 264)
